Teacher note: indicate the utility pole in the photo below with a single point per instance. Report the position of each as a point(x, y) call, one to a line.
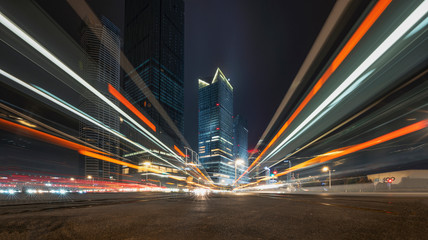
point(288, 174)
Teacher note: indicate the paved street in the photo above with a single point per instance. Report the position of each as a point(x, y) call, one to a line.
point(219, 216)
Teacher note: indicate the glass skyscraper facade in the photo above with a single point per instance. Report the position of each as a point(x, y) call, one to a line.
point(215, 128)
point(240, 144)
point(101, 43)
point(154, 44)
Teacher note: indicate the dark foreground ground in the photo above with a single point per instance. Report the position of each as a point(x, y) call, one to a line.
point(220, 216)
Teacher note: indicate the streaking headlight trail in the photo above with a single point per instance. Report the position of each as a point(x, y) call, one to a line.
point(42, 50)
point(399, 32)
point(78, 112)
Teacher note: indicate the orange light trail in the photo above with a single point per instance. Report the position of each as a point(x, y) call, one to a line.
point(112, 160)
point(179, 151)
point(83, 150)
point(29, 132)
point(370, 19)
point(351, 149)
point(203, 175)
point(108, 159)
point(131, 107)
point(199, 185)
point(183, 155)
point(199, 171)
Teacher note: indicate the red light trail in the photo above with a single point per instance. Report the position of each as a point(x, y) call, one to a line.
point(131, 107)
point(336, 153)
point(370, 19)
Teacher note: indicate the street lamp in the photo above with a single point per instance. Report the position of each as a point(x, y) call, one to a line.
point(90, 177)
point(147, 164)
point(288, 174)
point(267, 174)
point(238, 162)
point(326, 169)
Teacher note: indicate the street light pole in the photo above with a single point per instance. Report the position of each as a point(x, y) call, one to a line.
point(238, 162)
point(288, 174)
point(268, 174)
point(327, 169)
point(91, 178)
point(147, 164)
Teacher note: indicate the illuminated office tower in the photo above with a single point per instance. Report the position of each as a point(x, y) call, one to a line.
point(102, 44)
point(216, 127)
point(154, 44)
point(240, 143)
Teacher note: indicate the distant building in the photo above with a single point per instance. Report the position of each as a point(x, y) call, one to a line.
point(216, 127)
point(411, 179)
point(154, 44)
point(240, 142)
point(102, 45)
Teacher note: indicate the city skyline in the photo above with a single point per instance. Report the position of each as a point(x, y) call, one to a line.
point(213, 119)
point(200, 23)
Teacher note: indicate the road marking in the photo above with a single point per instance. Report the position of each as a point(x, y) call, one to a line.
point(331, 204)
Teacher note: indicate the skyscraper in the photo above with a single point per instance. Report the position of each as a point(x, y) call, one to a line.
point(216, 127)
point(240, 142)
point(154, 44)
point(101, 42)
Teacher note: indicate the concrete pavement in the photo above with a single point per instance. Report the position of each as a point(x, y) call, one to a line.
point(225, 216)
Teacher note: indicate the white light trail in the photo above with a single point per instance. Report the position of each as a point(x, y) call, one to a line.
point(405, 26)
point(136, 129)
point(78, 112)
point(335, 102)
point(42, 50)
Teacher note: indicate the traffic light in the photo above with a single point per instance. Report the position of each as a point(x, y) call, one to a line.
point(272, 174)
point(275, 172)
point(389, 179)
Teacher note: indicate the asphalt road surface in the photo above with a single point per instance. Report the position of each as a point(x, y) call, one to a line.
point(217, 216)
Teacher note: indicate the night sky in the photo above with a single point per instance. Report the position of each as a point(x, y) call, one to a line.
point(258, 44)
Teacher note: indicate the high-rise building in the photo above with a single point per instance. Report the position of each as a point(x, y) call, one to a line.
point(216, 127)
point(154, 44)
point(240, 142)
point(101, 42)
